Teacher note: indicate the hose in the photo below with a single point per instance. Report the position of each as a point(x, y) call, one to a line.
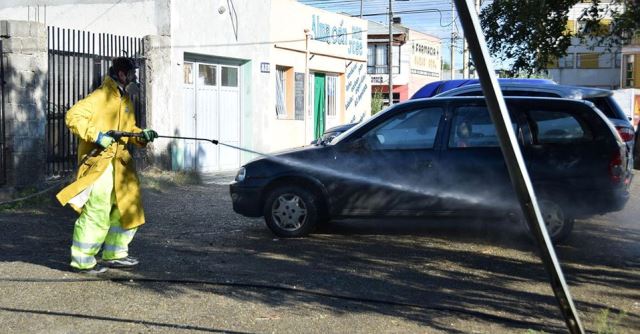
point(55, 185)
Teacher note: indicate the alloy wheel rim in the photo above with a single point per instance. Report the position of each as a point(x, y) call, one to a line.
point(289, 212)
point(553, 217)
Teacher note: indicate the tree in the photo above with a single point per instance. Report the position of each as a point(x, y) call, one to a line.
point(533, 33)
point(377, 101)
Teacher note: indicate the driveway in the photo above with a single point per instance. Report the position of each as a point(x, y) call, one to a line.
point(205, 269)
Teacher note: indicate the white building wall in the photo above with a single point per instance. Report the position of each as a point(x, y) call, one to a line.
point(135, 18)
point(240, 33)
point(219, 29)
point(425, 58)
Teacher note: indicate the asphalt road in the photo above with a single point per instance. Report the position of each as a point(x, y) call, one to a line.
point(205, 269)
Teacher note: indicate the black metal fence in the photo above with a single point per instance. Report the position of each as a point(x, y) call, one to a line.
point(3, 136)
point(78, 62)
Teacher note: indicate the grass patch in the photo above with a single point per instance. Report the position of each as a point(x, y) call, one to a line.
point(156, 179)
point(609, 323)
point(605, 323)
point(35, 204)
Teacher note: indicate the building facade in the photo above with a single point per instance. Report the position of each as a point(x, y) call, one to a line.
point(630, 76)
point(262, 74)
point(416, 60)
point(585, 65)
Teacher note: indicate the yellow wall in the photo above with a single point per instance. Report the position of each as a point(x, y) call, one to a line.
point(587, 60)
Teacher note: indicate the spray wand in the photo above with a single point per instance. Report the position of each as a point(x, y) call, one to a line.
point(119, 134)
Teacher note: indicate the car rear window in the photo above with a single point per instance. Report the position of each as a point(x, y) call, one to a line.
point(472, 127)
point(557, 127)
point(608, 106)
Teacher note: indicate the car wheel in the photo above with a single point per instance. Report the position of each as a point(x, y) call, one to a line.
point(558, 224)
point(291, 212)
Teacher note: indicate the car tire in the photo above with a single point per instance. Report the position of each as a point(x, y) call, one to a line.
point(559, 224)
point(291, 212)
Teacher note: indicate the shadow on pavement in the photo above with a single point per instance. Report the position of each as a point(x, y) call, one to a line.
point(421, 272)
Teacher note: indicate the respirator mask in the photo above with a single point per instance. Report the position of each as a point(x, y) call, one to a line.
point(132, 86)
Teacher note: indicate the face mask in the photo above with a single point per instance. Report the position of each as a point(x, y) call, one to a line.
point(132, 87)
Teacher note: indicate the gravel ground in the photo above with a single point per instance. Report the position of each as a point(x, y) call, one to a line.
point(206, 269)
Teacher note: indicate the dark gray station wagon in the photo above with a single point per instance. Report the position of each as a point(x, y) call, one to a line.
point(441, 156)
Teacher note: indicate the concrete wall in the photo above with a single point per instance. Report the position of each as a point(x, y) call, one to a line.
point(601, 78)
point(237, 33)
point(158, 82)
point(25, 74)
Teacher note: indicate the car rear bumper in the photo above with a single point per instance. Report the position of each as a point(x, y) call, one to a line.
point(246, 200)
point(602, 202)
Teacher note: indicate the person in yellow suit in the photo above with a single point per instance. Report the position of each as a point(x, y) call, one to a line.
point(106, 192)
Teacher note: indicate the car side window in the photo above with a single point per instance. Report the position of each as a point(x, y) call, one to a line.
point(414, 129)
point(555, 127)
point(472, 127)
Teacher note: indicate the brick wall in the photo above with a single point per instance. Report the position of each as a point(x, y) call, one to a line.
point(25, 75)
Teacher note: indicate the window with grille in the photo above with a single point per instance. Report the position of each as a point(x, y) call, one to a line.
point(332, 95)
point(377, 59)
point(281, 92)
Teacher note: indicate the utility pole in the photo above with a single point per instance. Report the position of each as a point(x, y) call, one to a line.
point(307, 37)
point(453, 39)
point(465, 59)
point(465, 47)
point(390, 51)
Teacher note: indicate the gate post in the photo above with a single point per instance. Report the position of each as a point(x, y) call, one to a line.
point(25, 75)
point(158, 86)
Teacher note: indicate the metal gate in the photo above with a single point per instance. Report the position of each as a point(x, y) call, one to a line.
point(78, 61)
point(3, 137)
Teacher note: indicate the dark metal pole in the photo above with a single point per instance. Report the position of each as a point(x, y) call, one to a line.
point(515, 163)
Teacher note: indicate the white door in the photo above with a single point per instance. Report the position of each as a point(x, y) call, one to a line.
point(229, 117)
point(212, 111)
point(207, 117)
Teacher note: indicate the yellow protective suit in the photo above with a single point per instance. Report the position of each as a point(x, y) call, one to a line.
point(103, 110)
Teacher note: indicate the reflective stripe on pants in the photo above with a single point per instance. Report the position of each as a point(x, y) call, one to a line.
point(99, 223)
